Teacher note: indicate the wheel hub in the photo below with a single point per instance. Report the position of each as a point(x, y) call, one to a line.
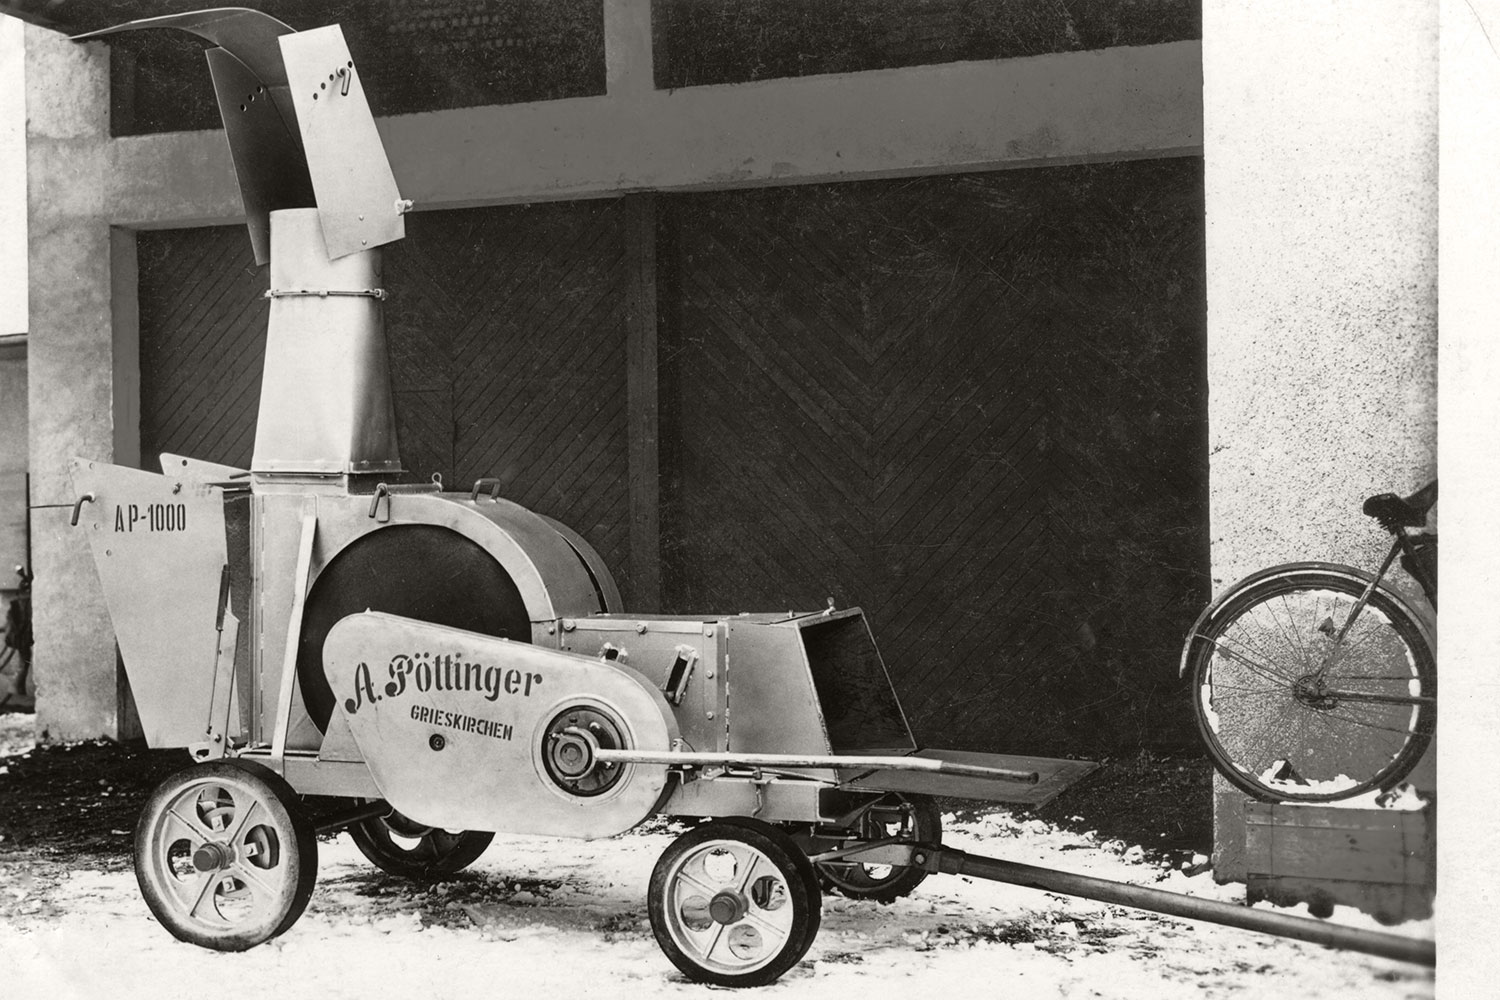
point(728, 907)
point(1312, 690)
point(213, 857)
point(570, 750)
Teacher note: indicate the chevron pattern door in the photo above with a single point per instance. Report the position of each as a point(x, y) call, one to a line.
point(974, 406)
point(506, 336)
point(507, 340)
point(202, 343)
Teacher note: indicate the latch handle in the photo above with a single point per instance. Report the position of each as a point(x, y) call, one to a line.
point(78, 506)
point(676, 683)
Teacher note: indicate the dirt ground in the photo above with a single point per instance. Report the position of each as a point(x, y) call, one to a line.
point(74, 805)
point(542, 916)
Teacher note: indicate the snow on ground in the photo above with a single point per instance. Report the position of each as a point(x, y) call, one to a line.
point(17, 734)
point(547, 917)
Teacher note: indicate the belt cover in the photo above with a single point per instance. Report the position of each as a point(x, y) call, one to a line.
point(454, 726)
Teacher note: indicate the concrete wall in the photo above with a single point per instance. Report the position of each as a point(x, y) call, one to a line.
point(12, 463)
point(1469, 411)
point(88, 193)
point(1320, 150)
point(12, 303)
point(73, 362)
point(12, 178)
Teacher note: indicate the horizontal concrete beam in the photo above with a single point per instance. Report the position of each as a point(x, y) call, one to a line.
point(1111, 104)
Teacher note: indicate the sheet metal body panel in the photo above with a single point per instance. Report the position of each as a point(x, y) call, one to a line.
point(454, 726)
point(1055, 777)
point(260, 119)
point(603, 578)
point(651, 646)
point(198, 471)
point(358, 202)
point(782, 801)
point(552, 580)
point(264, 145)
point(773, 706)
point(249, 34)
point(325, 400)
point(160, 549)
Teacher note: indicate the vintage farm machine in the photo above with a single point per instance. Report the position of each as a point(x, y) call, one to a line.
point(427, 668)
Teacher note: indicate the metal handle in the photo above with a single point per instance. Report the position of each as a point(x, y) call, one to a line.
point(479, 484)
point(78, 506)
point(381, 490)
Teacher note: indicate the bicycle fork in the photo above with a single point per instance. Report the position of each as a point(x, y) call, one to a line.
point(1314, 687)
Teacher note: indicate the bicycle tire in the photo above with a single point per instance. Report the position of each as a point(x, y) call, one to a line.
point(1258, 708)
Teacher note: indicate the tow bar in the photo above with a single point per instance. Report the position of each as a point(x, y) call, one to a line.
point(954, 862)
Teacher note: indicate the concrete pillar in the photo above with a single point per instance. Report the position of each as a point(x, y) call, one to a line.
point(12, 309)
point(1468, 813)
point(76, 364)
point(629, 68)
point(1320, 150)
point(12, 179)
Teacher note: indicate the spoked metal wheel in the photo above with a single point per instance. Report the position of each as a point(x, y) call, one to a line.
point(224, 855)
point(734, 903)
point(1296, 702)
point(912, 818)
point(404, 847)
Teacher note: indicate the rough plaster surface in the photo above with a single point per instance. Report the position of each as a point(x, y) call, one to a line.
point(71, 365)
point(12, 462)
point(1320, 150)
point(12, 179)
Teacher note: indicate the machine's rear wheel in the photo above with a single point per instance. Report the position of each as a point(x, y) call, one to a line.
point(224, 855)
point(734, 903)
point(403, 847)
point(913, 818)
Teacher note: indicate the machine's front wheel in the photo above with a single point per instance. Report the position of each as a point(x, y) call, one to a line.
point(734, 903)
point(403, 847)
point(224, 855)
point(913, 819)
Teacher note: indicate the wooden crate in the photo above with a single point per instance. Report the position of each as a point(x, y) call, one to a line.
point(1382, 861)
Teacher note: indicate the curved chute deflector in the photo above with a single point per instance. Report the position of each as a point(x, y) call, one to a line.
point(300, 130)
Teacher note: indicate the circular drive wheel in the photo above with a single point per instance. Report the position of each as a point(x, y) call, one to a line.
point(912, 818)
point(224, 855)
point(734, 903)
point(1286, 716)
point(404, 847)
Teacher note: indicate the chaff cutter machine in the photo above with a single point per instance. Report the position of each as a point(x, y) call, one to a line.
point(429, 668)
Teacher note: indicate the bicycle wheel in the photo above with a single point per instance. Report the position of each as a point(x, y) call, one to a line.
point(1288, 715)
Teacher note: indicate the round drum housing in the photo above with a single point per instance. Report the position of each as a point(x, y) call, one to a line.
point(422, 571)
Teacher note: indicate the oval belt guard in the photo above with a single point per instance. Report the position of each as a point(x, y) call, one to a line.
point(469, 732)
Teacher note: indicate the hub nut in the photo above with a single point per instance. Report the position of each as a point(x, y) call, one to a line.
point(570, 748)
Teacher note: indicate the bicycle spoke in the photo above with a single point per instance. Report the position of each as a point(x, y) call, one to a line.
point(1263, 670)
point(1291, 632)
point(1251, 633)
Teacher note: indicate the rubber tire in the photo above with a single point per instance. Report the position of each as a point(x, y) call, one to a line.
point(850, 879)
point(783, 853)
point(300, 853)
point(1236, 605)
point(458, 850)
